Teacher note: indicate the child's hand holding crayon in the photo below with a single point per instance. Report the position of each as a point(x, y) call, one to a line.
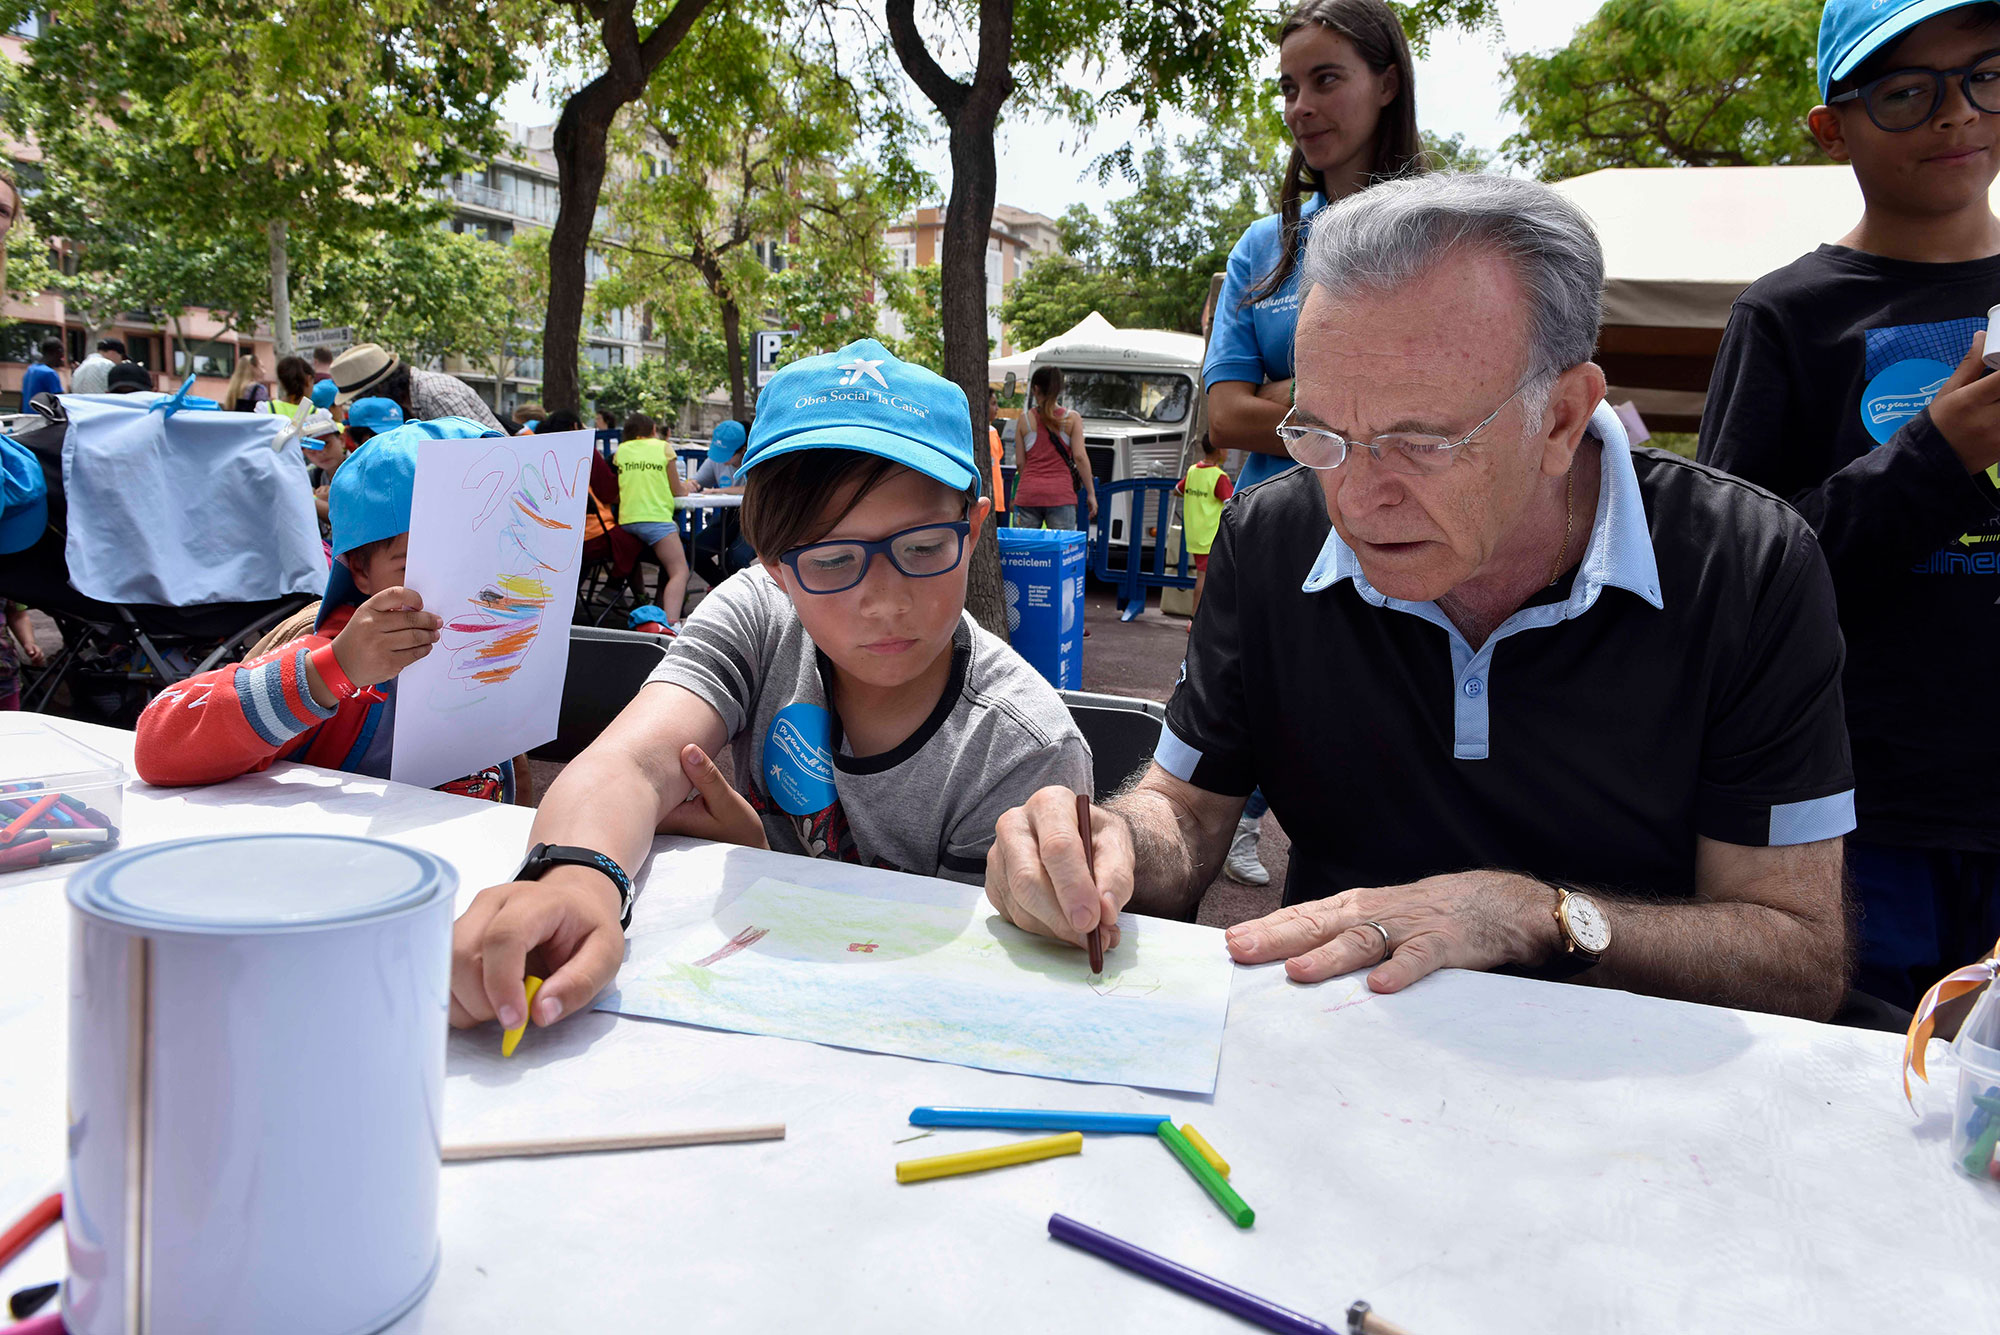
point(386, 634)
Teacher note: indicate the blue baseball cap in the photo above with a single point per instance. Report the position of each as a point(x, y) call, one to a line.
point(369, 498)
point(862, 398)
point(727, 440)
point(1850, 31)
point(374, 414)
point(24, 498)
point(323, 393)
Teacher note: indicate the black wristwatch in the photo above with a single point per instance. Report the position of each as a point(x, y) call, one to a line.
point(544, 856)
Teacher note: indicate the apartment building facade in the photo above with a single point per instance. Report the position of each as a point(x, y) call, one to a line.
point(1015, 239)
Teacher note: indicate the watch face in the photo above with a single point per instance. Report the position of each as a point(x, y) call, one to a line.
point(1588, 926)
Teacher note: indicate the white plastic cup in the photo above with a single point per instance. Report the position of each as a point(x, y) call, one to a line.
point(1992, 354)
point(257, 1035)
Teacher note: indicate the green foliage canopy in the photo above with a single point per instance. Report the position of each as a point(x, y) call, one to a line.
point(1670, 83)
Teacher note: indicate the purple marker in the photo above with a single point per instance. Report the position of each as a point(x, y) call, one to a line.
point(1191, 1282)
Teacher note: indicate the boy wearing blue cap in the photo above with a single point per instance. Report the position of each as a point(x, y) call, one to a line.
point(327, 698)
point(1851, 383)
point(871, 720)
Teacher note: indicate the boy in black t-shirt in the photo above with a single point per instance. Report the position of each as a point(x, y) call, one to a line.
point(1851, 382)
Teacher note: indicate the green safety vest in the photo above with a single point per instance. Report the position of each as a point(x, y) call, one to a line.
point(645, 485)
point(1201, 513)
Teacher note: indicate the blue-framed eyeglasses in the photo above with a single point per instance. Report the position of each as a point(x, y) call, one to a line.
point(1401, 451)
point(920, 553)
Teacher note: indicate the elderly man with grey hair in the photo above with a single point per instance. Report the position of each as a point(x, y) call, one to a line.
point(1524, 697)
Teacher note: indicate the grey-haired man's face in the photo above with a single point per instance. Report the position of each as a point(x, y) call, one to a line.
point(1433, 356)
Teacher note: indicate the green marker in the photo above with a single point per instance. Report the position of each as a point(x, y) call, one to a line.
point(1225, 1195)
point(1981, 1153)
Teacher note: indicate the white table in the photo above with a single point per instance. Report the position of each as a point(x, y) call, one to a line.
point(1477, 1154)
point(710, 500)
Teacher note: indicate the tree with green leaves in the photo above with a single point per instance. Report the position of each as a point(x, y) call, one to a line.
point(1451, 153)
point(618, 48)
point(660, 389)
point(747, 139)
point(208, 123)
point(29, 268)
point(436, 293)
point(1670, 83)
point(1146, 264)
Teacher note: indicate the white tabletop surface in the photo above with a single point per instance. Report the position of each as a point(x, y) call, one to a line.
point(711, 500)
point(1477, 1154)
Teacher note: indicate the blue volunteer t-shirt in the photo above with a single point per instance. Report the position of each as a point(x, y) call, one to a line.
point(41, 378)
point(1253, 343)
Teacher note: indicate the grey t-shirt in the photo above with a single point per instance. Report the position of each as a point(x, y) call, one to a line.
point(999, 733)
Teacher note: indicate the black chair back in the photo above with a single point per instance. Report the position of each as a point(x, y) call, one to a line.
point(606, 669)
point(1122, 732)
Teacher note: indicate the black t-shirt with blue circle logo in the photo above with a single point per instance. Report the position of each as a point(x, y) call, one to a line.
point(1819, 394)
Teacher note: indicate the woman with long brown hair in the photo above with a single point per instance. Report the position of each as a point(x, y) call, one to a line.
point(1351, 104)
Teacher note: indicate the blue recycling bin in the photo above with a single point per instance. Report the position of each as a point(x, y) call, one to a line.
point(1043, 569)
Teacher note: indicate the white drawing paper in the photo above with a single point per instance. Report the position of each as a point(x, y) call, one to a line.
point(957, 985)
point(496, 531)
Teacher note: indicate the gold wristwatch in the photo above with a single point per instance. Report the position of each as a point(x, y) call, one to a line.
point(1586, 932)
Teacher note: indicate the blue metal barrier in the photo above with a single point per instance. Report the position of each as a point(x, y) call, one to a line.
point(1154, 497)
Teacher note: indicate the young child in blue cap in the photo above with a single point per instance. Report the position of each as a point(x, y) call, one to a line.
point(1851, 383)
point(870, 719)
point(327, 698)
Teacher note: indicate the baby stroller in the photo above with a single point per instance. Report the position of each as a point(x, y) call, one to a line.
point(180, 538)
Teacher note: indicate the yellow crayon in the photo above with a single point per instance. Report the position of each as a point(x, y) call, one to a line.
point(1205, 1150)
point(511, 1039)
point(996, 1156)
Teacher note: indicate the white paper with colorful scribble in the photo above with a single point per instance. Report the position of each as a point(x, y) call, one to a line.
point(496, 532)
point(957, 985)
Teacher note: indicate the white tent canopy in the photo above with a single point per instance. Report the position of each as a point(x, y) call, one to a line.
point(1681, 243)
point(1094, 340)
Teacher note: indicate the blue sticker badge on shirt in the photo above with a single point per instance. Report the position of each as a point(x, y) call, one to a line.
point(798, 759)
point(1899, 392)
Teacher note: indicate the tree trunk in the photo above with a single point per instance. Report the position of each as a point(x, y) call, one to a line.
point(281, 290)
point(580, 152)
point(972, 111)
point(732, 342)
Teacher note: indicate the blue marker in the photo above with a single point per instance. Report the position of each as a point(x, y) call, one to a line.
point(1041, 1119)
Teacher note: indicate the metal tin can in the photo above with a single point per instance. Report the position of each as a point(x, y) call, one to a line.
point(256, 1083)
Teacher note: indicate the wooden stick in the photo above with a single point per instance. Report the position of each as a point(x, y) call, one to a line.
point(647, 1140)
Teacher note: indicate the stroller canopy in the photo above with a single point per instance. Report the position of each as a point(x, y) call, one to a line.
point(185, 508)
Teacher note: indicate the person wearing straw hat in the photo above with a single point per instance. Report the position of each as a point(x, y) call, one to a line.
point(369, 369)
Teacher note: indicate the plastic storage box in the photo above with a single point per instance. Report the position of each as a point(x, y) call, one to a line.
point(1975, 1122)
point(60, 800)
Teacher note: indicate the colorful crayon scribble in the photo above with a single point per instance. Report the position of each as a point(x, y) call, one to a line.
point(490, 640)
point(743, 940)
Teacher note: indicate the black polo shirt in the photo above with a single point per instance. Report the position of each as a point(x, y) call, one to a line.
point(1683, 680)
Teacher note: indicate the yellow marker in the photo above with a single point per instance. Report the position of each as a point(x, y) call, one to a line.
point(997, 1156)
point(1205, 1150)
point(511, 1039)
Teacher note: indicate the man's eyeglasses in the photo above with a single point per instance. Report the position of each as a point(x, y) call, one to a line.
point(1905, 99)
point(920, 553)
point(1400, 451)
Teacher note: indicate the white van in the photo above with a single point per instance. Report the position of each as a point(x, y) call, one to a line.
point(1138, 391)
